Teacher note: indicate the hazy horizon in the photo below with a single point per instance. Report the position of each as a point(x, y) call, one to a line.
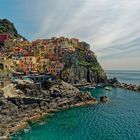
point(122, 70)
point(112, 27)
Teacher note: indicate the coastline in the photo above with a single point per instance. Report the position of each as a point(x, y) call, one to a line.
point(22, 122)
point(25, 123)
point(126, 86)
point(28, 108)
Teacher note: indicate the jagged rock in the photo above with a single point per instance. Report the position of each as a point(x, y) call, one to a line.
point(64, 89)
point(82, 65)
point(113, 81)
point(104, 99)
point(56, 93)
point(77, 74)
point(138, 88)
point(60, 96)
point(8, 112)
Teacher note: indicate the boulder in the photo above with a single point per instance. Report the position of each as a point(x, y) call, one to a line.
point(114, 80)
point(138, 88)
point(104, 99)
point(64, 89)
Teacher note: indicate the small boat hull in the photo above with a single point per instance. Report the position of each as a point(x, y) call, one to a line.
point(108, 88)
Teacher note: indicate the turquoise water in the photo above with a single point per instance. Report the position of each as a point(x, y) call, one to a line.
point(125, 76)
point(117, 120)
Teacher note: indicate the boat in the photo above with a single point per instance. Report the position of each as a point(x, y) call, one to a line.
point(89, 87)
point(100, 85)
point(92, 87)
point(108, 88)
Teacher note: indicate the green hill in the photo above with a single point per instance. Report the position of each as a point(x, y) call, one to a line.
point(7, 27)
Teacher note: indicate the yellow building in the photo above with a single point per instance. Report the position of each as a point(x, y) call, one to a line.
point(16, 64)
point(8, 64)
point(28, 64)
point(2, 57)
point(43, 65)
point(75, 42)
point(39, 51)
point(21, 44)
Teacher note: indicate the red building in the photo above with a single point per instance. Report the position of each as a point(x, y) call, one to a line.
point(3, 37)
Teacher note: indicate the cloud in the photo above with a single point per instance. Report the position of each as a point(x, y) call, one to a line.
point(112, 27)
point(120, 64)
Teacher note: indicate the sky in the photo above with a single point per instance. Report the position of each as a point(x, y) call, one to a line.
point(111, 27)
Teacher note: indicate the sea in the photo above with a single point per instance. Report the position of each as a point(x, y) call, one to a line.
point(117, 120)
point(125, 76)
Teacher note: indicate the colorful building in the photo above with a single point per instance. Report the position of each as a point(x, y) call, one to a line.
point(8, 64)
point(75, 42)
point(43, 65)
point(3, 37)
point(39, 51)
point(28, 64)
point(18, 52)
point(16, 64)
point(55, 67)
point(42, 55)
point(25, 46)
point(2, 57)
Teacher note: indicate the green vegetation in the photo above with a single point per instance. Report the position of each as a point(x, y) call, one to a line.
point(7, 27)
point(90, 63)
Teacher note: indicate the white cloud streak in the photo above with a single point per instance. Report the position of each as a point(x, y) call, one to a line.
point(112, 27)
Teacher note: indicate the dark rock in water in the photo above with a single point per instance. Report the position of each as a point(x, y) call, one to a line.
point(138, 88)
point(104, 99)
point(114, 80)
point(127, 86)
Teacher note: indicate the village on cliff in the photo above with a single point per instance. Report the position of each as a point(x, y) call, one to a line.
point(24, 69)
point(40, 60)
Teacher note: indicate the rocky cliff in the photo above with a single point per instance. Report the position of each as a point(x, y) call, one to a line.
point(32, 102)
point(8, 111)
point(82, 66)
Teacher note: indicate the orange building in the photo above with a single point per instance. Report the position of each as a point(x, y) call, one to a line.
point(55, 67)
point(28, 64)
